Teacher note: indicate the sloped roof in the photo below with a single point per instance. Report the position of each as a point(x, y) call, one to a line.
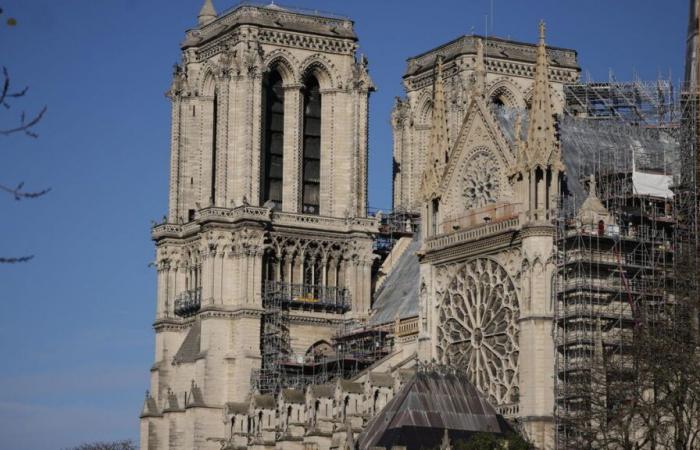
point(350, 387)
point(322, 390)
point(428, 404)
point(264, 401)
point(237, 408)
point(381, 379)
point(398, 296)
point(190, 348)
point(293, 396)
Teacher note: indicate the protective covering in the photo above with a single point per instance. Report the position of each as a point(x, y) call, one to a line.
point(591, 146)
point(398, 296)
point(428, 404)
point(653, 184)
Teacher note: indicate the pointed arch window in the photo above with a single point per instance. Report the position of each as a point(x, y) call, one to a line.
point(311, 169)
point(273, 136)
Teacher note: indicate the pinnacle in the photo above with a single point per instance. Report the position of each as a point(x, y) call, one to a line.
point(207, 14)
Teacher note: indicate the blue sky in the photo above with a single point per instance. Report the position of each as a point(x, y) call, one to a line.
point(75, 336)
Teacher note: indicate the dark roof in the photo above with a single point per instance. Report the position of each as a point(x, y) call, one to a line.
point(237, 408)
point(189, 350)
point(398, 295)
point(265, 401)
point(322, 390)
point(428, 404)
point(494, 48)
point(381, 379)
point(293, 396)
point(350, 387)
point(287, 19)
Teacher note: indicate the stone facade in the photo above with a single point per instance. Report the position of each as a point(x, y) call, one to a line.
point(226, 242)
point(487, 261)
point(244, 227)
point(508, 73)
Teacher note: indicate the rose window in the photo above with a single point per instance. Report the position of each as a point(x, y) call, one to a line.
point(477, 328)
point(481, 182)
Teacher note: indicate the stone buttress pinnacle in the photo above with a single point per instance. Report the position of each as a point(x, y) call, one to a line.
point(479, 87)
point(207, 14)
point(437, 143)
point(541, 145)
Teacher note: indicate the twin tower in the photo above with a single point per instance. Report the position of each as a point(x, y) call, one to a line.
point(268, 192)
point(268, 204)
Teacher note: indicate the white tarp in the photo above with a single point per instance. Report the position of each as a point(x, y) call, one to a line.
point(653, 184)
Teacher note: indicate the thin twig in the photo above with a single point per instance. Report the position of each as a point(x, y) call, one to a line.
point(19, 194)
point(15, 260)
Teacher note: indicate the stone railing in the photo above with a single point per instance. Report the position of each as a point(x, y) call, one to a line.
point(166, 230)
point(233, 214)
point(509, 411)
point(188, 302)
point(472, 234)
point(369, 225)
point(490, 214)
point(407, 327)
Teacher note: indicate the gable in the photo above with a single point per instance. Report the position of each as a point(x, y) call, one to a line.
point(477, 172)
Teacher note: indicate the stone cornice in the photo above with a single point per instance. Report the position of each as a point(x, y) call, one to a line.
point(538, 230)
point(247, 215)
point(494, 48)
point(277, 27)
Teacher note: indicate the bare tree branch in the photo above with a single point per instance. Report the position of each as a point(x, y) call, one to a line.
point(19, 194)
point(25, 126)
point(16, 259)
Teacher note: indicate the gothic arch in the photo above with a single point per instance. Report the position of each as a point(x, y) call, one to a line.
point(321, 68)
point(284, 63)
point(480, 180)
point(506, 93)
point(320, 348)
point(424, 111)
point(208, 81)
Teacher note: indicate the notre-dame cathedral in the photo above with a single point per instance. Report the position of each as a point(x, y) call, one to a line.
point(288, 316)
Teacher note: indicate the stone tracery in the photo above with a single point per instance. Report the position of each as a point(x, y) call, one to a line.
point(478, 328)
point(481, 181)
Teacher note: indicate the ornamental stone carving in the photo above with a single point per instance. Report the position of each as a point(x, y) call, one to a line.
point(481, 181)
point(477, 328)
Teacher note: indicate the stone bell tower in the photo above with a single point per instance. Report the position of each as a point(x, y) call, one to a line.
point(267, 200)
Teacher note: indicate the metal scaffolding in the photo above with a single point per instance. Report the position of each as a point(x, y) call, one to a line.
point(614, 277)
point(351, 350)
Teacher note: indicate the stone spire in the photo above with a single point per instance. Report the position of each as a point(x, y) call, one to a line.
point(479, 87)
point(541, 144)
point(207, 14)
point(437, 143)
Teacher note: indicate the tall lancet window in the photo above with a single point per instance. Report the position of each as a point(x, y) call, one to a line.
point(215, 120)
point(311, 171)
point(273, 134)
